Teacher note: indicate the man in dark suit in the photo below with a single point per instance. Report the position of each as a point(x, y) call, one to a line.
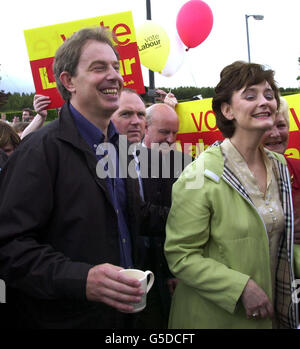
point(162, 126)
point(156, 180)
point(66, 228)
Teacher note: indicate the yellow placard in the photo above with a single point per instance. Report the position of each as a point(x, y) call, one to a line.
point(198, 116)
point(197, 124)
point(43, 42)
point(294, 112)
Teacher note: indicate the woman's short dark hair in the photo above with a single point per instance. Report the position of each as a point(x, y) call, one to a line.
point(232, 78)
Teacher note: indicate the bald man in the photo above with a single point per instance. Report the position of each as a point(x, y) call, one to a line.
point(130, 120)
point(162, 125)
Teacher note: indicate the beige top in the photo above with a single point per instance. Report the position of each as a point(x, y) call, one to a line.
point(268, 205)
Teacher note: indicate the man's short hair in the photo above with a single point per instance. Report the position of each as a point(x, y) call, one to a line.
point(132, 91)
point(68, 54)
point(30, 111)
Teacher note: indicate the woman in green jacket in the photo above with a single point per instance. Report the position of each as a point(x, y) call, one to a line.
point(229, 233)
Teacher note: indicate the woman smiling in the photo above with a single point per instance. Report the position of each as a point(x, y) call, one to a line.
point(229, 239)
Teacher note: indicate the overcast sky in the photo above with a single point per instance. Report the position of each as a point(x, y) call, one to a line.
point(274, 41)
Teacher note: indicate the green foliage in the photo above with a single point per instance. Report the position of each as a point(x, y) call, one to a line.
point(52, 115)
point(189, 93)
point(288, 91)
point(17, 101)
point(10, 115)
point(3, 97)
point(14, 103)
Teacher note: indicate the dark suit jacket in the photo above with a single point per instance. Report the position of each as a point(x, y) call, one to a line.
point(3, 158)
point(158, 178)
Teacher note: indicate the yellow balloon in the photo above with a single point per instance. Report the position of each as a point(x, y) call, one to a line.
point(154, 45)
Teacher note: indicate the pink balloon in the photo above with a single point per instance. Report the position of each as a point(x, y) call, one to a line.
point(194, 22)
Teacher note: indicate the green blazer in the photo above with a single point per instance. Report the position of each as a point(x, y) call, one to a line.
point(216, 240)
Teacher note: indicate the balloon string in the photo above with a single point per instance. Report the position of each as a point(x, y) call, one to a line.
point(193, 78)
point(190, 70)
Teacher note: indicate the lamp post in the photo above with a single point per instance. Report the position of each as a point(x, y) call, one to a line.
point(258, 18)
point(151, 90)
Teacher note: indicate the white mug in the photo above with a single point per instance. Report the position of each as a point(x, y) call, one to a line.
point(146, 285)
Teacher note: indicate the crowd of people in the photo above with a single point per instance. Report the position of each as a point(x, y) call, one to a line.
point(11, 133)
point(78, 204)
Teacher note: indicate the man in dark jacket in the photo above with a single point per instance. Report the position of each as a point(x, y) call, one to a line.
point(130, 119)
point(3, 158)
point(65, 229)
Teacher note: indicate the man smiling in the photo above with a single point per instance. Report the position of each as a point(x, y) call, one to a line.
point(65, 232)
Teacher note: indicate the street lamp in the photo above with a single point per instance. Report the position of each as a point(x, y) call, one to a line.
point(258, 18)
point(151, 90)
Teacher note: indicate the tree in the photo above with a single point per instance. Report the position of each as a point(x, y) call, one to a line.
point(298, 78)
point(17, 101)
point(3, 97)
point(191, 92)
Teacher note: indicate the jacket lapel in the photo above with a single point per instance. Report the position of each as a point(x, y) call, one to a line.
point(230, 178)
